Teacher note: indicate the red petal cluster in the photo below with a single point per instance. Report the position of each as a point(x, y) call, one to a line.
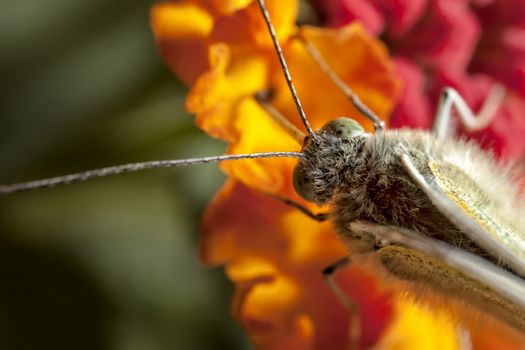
point(467, 44)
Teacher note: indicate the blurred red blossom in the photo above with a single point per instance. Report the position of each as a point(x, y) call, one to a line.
point(466, 44)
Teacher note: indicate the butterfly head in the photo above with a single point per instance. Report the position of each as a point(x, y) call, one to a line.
point(327, 159)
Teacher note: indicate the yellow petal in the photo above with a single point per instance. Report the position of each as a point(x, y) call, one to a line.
point(180, 20)
point(417, 327)
point(229, 6)
point(181, 30)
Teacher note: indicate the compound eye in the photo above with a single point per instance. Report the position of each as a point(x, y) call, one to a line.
point(303, 185)
point(344, 128)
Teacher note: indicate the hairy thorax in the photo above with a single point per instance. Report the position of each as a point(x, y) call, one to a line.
point(363, 179)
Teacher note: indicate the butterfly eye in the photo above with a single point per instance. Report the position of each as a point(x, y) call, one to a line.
point(344, 128)
point(303, 185)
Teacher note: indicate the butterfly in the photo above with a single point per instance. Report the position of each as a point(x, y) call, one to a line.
point(424, 169)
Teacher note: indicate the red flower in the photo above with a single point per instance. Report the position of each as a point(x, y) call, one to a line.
point(469, 45)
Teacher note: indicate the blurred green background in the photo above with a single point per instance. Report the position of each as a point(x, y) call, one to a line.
point(111, 263)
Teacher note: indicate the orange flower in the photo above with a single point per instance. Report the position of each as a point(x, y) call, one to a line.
point(185, 30)
point(273, 253)
point(274, 256)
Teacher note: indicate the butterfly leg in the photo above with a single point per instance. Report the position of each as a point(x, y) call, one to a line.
point(472, 122)
point(320, 217)
point(355, 319)
point(341, 85)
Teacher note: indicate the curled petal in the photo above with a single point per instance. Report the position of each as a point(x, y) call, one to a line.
point(216, 94)
point(223, 101)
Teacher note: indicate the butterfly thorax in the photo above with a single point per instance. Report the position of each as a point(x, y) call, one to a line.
point(362, 178)
point(381, 191)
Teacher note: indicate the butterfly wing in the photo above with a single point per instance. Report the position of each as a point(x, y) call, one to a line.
point(468, 207)
point(455, 272)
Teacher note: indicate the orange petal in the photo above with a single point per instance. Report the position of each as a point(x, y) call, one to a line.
point(222, 99)
point(259, 133)
point(237, 208)
point(229, 6)
point(181, 30)
point(216, 94)
point(359, 59)
point(185, 30)
point(275, 256)
point(246, 27)
point(431, 321)
point(283, 15)
point(170, 21)
point(417, 327)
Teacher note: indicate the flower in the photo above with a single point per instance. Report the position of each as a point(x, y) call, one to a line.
point(185, 31)
point(273, 253)
point(274, 256)
point(469, 45)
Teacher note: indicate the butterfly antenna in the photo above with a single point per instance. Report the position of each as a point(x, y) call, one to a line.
point(126, 168)
point(285, 70)
point(341, 85)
